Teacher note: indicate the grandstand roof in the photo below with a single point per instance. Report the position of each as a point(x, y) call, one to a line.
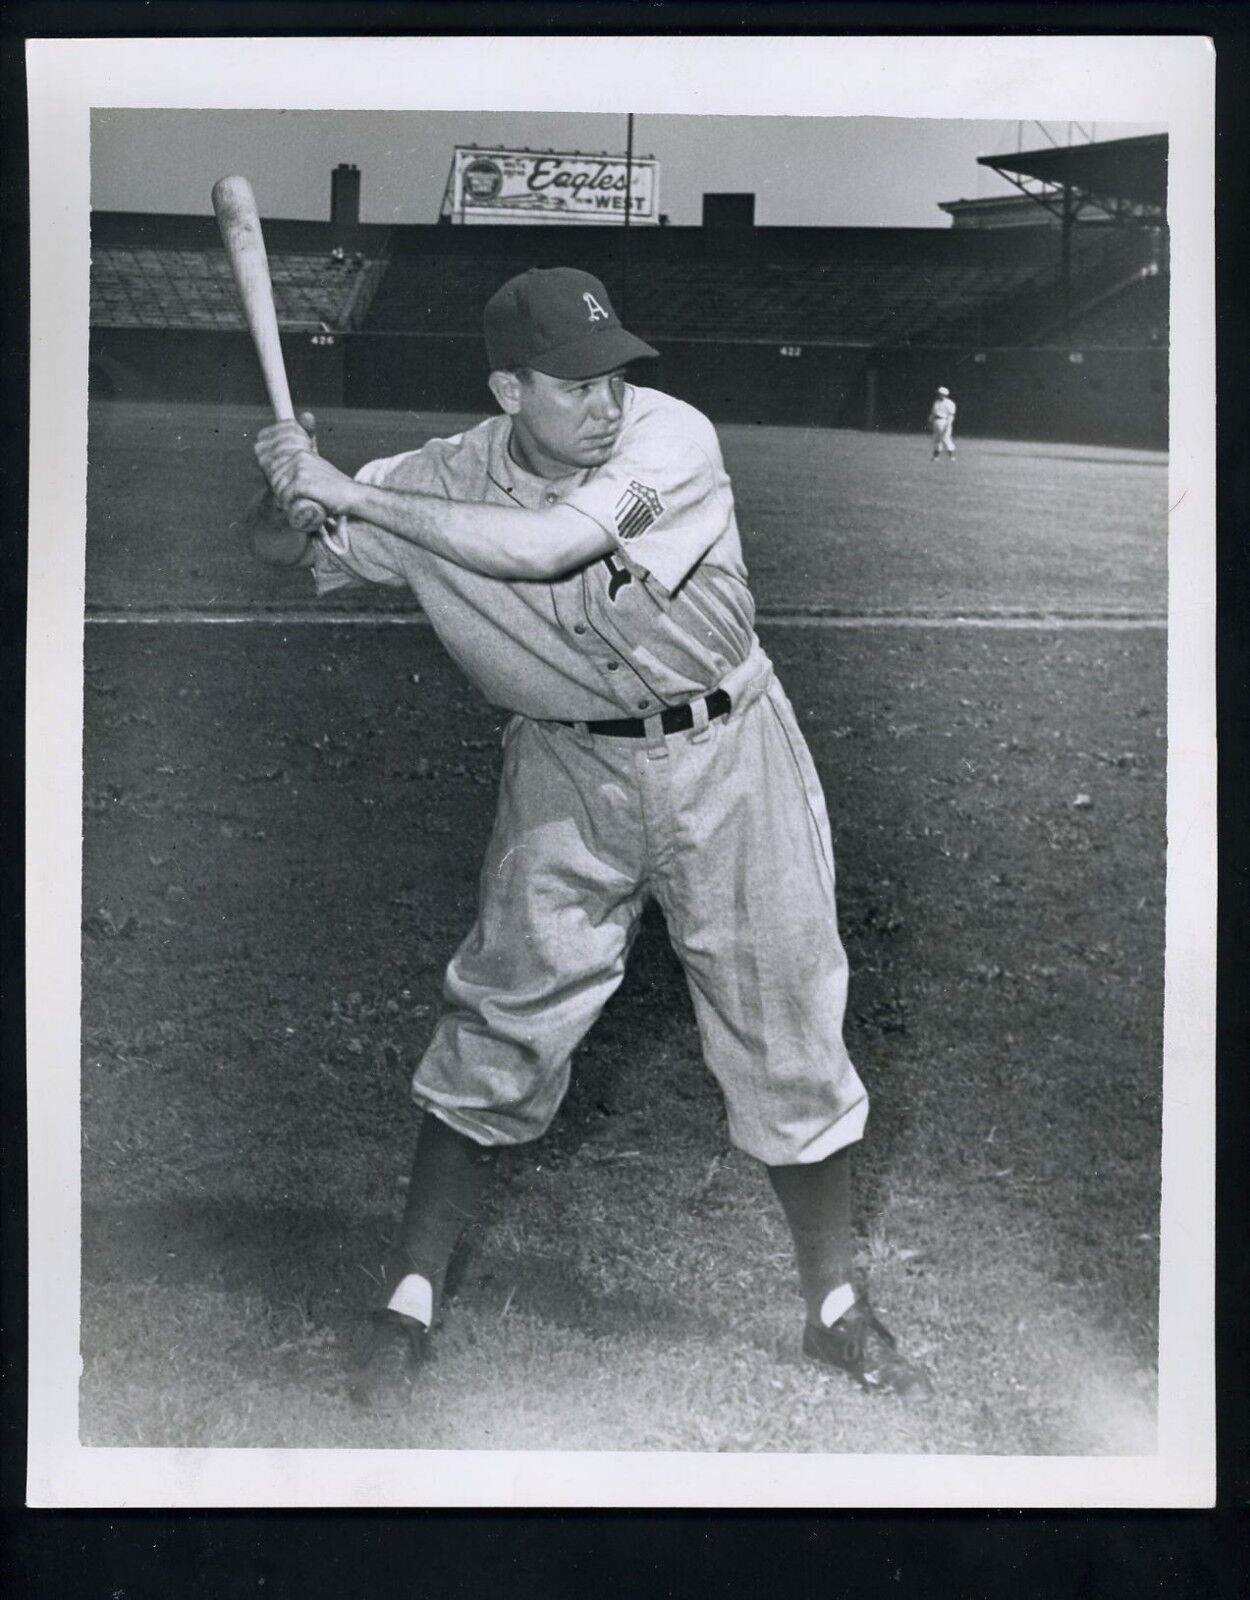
point(1127, 178)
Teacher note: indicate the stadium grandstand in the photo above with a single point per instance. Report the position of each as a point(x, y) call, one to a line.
point(144, 275)
point(1040, 310)
point(194, 289)
point(779, 298)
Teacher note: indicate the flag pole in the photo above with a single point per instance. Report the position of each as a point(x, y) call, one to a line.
point(629, 165)
point(629, 196)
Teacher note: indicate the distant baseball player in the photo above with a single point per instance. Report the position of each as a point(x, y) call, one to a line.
point(579, 558)
point(942, 424)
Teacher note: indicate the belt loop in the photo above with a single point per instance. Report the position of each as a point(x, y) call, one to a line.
point(701, 727)
point(657, 747)
point(581, 732)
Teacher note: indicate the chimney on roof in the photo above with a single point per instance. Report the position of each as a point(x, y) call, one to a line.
point(345, 193)
point(728, 210)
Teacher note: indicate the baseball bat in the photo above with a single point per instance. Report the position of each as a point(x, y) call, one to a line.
point(239, 223)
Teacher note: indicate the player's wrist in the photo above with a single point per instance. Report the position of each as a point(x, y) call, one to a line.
point(347, 498)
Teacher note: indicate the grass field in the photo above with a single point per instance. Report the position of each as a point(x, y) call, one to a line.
point(283, 824)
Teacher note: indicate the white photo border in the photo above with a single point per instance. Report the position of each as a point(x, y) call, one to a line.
point(1105, 78)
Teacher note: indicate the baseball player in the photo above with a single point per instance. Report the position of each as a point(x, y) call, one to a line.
point(579, 558)
point(942, 424)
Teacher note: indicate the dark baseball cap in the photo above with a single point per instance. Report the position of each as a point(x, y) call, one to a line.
point(558, 321)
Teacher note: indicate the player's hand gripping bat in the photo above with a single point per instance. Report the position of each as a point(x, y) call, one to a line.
point(239, 222)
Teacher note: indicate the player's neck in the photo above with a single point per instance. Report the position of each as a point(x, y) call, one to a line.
point(534, 460)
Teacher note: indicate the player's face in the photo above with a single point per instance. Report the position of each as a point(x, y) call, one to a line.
point(561, 424)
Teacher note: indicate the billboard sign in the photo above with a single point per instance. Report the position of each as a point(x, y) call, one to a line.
point(534, 186)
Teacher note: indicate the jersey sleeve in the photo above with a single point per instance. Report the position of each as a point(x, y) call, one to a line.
point(664, 499)
point(351, 552)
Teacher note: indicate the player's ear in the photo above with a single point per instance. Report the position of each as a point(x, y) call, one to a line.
point(506, 388)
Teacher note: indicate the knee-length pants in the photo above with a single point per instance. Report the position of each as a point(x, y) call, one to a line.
point(725, 827)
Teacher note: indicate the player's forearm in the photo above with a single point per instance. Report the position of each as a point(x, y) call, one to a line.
point(272, 538)
point(499, 541)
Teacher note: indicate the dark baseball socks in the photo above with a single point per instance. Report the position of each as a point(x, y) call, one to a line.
point(816, 1199)
point(449, 1172)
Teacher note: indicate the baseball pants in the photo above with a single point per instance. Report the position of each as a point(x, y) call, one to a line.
point(725, 826)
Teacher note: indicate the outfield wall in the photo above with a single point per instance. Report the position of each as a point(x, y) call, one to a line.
point(1096, 396)
point(1108, 396)
point(209, 365)
point(731, 382)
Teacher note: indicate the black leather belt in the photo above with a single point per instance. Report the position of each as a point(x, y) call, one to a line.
point(675, 719)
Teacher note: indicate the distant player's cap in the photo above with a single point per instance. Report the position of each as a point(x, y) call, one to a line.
point(558, 321)
point(943, 391)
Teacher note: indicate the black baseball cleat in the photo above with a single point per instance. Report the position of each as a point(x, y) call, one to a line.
point(859, 1345)
point(397, 1349)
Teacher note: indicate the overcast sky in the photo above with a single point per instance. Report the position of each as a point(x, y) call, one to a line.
point(804, 171)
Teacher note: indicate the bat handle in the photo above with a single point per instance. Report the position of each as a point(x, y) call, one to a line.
point(306, 516)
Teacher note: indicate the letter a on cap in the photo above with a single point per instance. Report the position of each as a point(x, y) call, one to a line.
point(593, 306)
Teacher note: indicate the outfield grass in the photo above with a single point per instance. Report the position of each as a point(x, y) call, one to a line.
point(831, 521)
point(282, 834)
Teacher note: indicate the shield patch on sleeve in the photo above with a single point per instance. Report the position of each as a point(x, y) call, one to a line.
point(636, 510)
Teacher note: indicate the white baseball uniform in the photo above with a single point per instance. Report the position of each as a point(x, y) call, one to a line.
point(724, 824)
point(942, 424)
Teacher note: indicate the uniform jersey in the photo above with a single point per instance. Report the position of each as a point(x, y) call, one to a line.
point(662, 619)
point(942, 413)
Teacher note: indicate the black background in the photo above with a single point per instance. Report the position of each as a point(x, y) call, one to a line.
point(513, 1556)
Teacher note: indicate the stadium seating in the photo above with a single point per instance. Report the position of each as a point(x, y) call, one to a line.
point(853, 301)
point(893, 290)
point(172, 288)
point(1107, 264)
point(1131, 314)
point(437, 294)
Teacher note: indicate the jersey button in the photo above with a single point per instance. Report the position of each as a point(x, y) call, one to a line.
point(550, 498)
point(643, 704)
point(614, 666)
point(579, 627)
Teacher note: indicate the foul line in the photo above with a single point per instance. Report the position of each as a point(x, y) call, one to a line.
point(1034, 621)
